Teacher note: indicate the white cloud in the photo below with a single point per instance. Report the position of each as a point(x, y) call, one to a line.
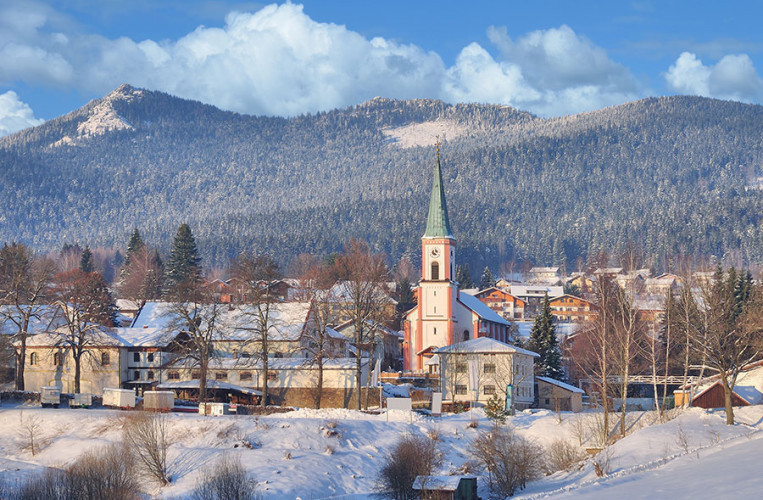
point(733, 77)
point(15, 114)
point(278, 61)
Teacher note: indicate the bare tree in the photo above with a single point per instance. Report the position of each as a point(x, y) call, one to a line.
point(256, 273)
point(24, 283)
point(363, 296)
point(411, 456)
point(142, 276)
point(510, 460)
point(315, 287)
point(198, 315)
point(147, 438)
point(86, 307)
point(732, 305)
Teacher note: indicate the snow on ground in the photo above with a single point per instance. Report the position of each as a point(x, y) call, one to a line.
point(422, 134)
point(296, 454)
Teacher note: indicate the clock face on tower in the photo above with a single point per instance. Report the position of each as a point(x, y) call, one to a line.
point(435, 252)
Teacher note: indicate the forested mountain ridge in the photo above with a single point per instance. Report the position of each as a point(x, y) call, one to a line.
point(671, 173)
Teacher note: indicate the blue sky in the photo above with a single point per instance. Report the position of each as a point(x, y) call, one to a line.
point(551, 58)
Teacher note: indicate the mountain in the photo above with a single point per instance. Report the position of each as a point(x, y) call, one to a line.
point(673, 174)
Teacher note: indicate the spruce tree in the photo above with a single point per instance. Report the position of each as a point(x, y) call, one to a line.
point(487, 280)
point(463, 277)
point(135, 244)
point(543, 341)
point(183, 264)
point(86, 263)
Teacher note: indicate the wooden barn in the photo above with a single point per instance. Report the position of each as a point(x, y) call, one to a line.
point(446, 487)
point(558, 396)
point(712, 397)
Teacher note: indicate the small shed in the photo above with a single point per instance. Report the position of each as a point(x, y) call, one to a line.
point(556, 395)
point(446, 487)
point(713, 397)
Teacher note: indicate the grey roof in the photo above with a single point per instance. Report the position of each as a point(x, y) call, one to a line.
point(485, 345)
point(560, 384)
point(480, 309)
point(438, 483)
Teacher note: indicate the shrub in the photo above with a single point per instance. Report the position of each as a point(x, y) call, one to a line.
point(412, 456)
point(226, 480)
point(563, 454)
point(146, 435)
point(103, 475)
point(510, 460)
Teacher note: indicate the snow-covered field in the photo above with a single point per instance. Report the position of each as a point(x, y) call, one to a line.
point(295, 454)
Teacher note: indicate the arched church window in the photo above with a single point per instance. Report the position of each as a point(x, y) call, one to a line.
point(435, 271)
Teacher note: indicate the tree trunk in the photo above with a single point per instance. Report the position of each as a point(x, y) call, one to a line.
point(319, 393)
point(203, 367)
point(265, 367)
point(358, 363)
point(727, 391)
point(20, 364)
point(76, 371)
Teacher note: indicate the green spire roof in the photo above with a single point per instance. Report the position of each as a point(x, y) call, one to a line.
point(438, 224)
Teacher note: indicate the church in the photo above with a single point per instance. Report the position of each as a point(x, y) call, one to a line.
point(443, 315)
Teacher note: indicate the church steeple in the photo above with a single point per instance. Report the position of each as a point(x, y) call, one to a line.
point(438, 224)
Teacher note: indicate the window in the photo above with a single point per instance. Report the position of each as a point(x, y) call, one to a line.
point(105, 359)
point(33, 358)
point(435, 328)
point(150, 375)
point(489, 368)
point(272, 376)
point(460, 389)
point(221, 375)
point(151, 357)
point(488, 390)
point(57, 358)
point(195, 375)
point(173, 375)
point(460, 367)
point(136, 357)
point(466, 335)
point(136, 375)
point(435, 271)
point(245, 376)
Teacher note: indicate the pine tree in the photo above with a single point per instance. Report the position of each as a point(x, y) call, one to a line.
point(183, 264)
point(487, 280)
point(86, 263)
point(135, 244)
point(463, 277)
point(543, 341)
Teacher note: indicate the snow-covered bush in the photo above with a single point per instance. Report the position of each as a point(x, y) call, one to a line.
point(563, 454)
point(412, 456)
point(510, 460)
point(226, 480)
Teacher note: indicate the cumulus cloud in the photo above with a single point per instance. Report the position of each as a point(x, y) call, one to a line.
point(733, 77)
point(278, 61)
point(15, 114)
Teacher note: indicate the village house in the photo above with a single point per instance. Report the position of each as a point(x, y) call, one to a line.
point(586, 284)
point(387, 343)
point(558, 396)
point(545, 275)
point(533, 295)
point(502, 302)
point(495, 366)
point(573, 309)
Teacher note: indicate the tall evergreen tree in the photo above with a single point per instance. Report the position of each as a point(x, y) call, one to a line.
point(184, 263)
point(543, 341)
point(463, 277)
point(86, 263)
point(487, 280)
point(135, 244)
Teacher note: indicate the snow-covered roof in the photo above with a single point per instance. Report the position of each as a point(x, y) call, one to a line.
point(101, 337)
point(342, 292)
point(145, 337)
point(480, 309)
point(560, 384)
point(211, 384)
point(485, 345)
point(536, 291)
point(127, 304)
point(286, 319)
point(273, 363)
point(46, 319)
point(439, 483)
point(433, 361)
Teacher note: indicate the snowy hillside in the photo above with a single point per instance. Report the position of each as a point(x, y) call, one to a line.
point(297, 454)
